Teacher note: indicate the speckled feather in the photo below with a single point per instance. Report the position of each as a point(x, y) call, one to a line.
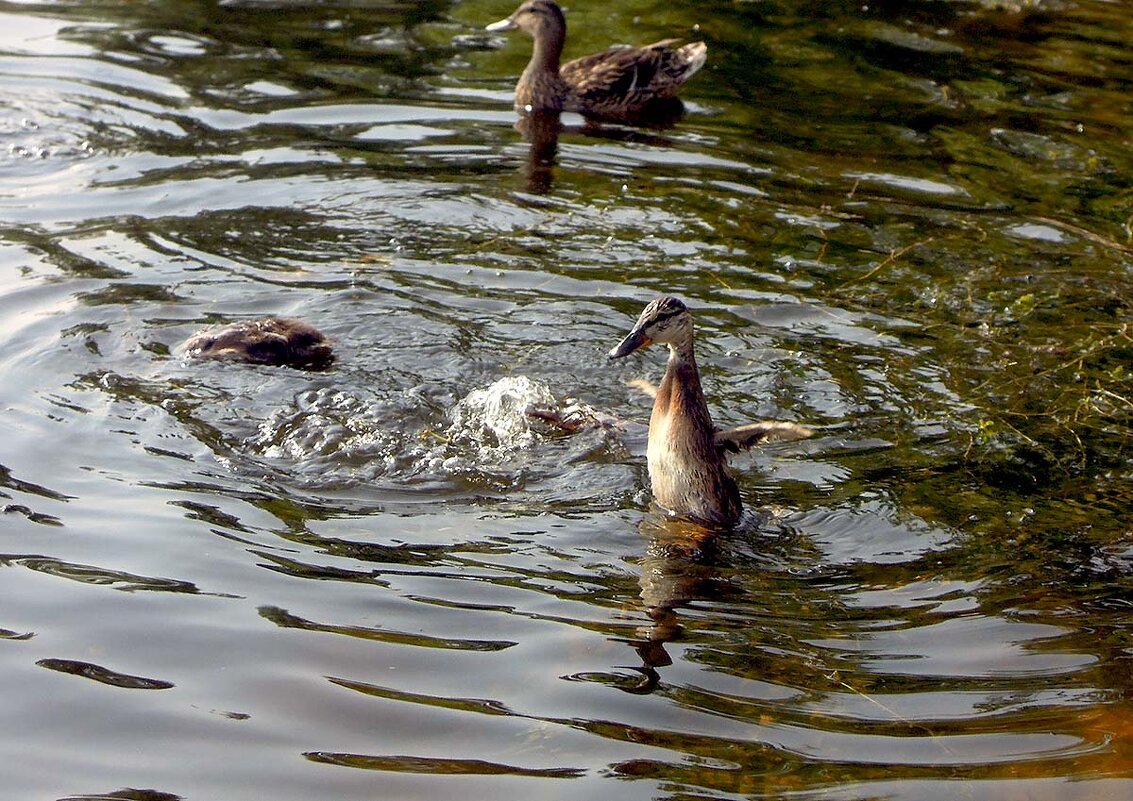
point(630, 77)
point(273, 340)
point(617, 83)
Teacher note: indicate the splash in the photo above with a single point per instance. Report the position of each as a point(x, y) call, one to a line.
point(496, 417)
point(494, 438)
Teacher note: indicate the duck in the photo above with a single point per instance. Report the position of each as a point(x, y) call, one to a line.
point(616, 84)
point(277, 341)
point(688, 469)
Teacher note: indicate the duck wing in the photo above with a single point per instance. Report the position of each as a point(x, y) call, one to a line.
point(631, 76)
point(734, 440)
point(643, 386)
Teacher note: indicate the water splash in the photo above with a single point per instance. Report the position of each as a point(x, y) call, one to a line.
point(332, 436)
point(495, 418)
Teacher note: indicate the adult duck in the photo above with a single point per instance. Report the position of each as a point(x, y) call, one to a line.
point(619, 83)
point(687, 468)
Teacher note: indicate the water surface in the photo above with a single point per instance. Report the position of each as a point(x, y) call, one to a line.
point(905, 224)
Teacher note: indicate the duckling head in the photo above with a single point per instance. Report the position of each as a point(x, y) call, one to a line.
point(665, 320)
point(535, 17)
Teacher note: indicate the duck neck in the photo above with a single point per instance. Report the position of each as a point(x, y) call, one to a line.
point(547, 52)
point(680, 392)
point(682, 353)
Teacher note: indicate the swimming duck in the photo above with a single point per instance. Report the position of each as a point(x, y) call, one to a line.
point(687, 468)
point(273, 340)
point(615, 84)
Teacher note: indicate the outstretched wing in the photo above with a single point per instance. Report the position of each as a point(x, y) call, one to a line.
point(734, 440)
point(643, 386)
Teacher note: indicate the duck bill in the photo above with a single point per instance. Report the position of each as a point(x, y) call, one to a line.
point(633, 341)
point(502, 25)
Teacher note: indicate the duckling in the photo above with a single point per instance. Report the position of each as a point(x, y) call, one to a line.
point(618, 83)
point(687, 468)
point(274, 340)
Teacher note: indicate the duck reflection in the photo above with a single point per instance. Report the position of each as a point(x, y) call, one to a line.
point(541, 129)
point(676, 569)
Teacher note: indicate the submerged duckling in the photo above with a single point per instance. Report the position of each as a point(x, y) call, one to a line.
point(277, 341)
point(617, 83)
point(687, 468)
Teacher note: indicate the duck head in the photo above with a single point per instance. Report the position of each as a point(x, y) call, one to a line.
point(665, 320)
point(538, 17)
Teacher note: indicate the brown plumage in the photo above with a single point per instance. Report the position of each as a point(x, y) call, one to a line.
point(686, 453)
point(615, 84)
point(274, 340)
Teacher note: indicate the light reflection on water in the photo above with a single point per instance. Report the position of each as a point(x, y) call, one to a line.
point(386, 579)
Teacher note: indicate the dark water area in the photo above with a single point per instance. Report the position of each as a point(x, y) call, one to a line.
point(908, 225)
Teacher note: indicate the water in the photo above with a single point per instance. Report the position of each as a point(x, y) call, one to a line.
point(904, 224)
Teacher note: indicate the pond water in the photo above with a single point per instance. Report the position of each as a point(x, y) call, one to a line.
point(905, 224)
